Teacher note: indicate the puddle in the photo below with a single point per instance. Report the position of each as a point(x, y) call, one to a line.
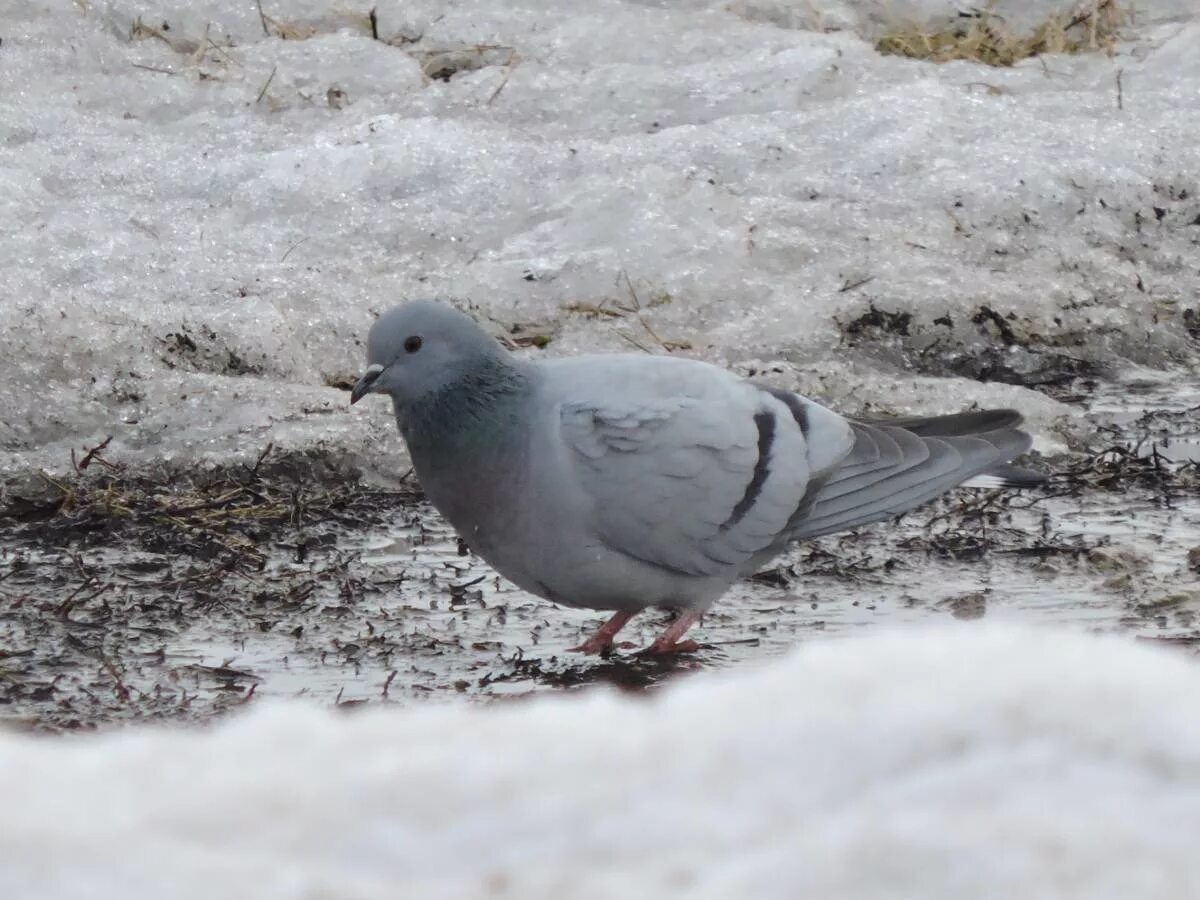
point(386, 608)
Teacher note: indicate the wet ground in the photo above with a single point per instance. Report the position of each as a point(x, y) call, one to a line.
point(134, 597)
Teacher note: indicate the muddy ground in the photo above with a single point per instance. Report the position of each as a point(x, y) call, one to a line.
point(133, 596)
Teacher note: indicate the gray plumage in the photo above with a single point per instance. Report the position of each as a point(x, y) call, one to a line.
point(621, 482)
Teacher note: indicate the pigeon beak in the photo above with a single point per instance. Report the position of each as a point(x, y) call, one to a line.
point(362, 387)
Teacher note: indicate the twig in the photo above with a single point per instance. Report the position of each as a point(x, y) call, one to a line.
point(462, 586)
point(374, 19)
point(641, 347)
point(296, 516)
point(93, 455)
point(266, 85)
point(139, 29)
point(144, 228)
point(666, 345)
point(508, 67)
point(220, 50)
point(263, 19)
point(387, 684)
point(258, 462)
point(1120, 90)
point(154, 69)
point(958, 226)
point(852, 285)
point(593, 310)
point(119, 688)
point(637, 303)
point(295, 245)
point(1086, 14)
point(198, 507)
point(65, 606)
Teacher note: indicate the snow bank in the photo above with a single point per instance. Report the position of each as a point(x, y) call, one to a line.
point(201, 221)
point(937, 764)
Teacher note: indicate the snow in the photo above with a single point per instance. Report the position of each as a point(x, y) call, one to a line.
point(874, 18)
point(204, 220)
point(938, 763)
point(200, 222)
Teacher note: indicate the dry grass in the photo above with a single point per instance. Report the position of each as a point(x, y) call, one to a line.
point(633, 309)
point(985, 38)
point(226, 509)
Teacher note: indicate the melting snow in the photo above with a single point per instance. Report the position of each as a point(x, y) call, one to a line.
point(202, 220)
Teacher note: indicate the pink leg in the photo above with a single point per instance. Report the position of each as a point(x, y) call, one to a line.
point(668, 641)
point(602, 640)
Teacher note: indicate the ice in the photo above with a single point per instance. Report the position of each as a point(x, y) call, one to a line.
point(201, 220)
point(870, 18)
point(1044, 764)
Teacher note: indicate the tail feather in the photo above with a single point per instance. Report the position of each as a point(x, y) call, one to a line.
point(900, 464)
point(955, 424)
point(1006, 476)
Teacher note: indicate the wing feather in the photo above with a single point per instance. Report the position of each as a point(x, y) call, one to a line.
point(688, 467)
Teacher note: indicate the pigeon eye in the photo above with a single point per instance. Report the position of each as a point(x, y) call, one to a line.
point(412, 344)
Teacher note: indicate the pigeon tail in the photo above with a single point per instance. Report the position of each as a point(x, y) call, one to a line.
point(898, 464)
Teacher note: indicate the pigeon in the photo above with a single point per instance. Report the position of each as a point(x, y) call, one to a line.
point(621, 482)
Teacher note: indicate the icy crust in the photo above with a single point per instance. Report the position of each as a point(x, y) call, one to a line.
point(967, 762)
point(871, 18)
point(205, 219)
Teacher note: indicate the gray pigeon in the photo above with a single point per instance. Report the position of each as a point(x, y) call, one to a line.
point(620, 482)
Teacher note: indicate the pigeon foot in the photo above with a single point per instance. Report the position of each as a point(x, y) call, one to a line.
point(601, 642)
point(669, 641)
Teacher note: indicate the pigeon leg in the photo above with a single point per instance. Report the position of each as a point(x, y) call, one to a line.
point(668, 641)
point(602, 640)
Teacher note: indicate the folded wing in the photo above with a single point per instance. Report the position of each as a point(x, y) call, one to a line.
point(689, 467)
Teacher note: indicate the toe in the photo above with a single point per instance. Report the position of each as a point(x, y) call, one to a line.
point(664, 648)
point(591, 647)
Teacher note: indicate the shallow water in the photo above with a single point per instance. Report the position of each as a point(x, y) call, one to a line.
point(396, 612)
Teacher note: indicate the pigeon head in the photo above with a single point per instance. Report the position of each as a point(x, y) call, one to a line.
point(420, 349)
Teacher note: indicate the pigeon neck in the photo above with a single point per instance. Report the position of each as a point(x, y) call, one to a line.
point(473, 412)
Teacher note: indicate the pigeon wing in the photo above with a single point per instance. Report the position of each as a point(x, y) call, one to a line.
point(686, 467)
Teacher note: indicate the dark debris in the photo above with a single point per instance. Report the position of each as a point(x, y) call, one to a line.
point(128, 596)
